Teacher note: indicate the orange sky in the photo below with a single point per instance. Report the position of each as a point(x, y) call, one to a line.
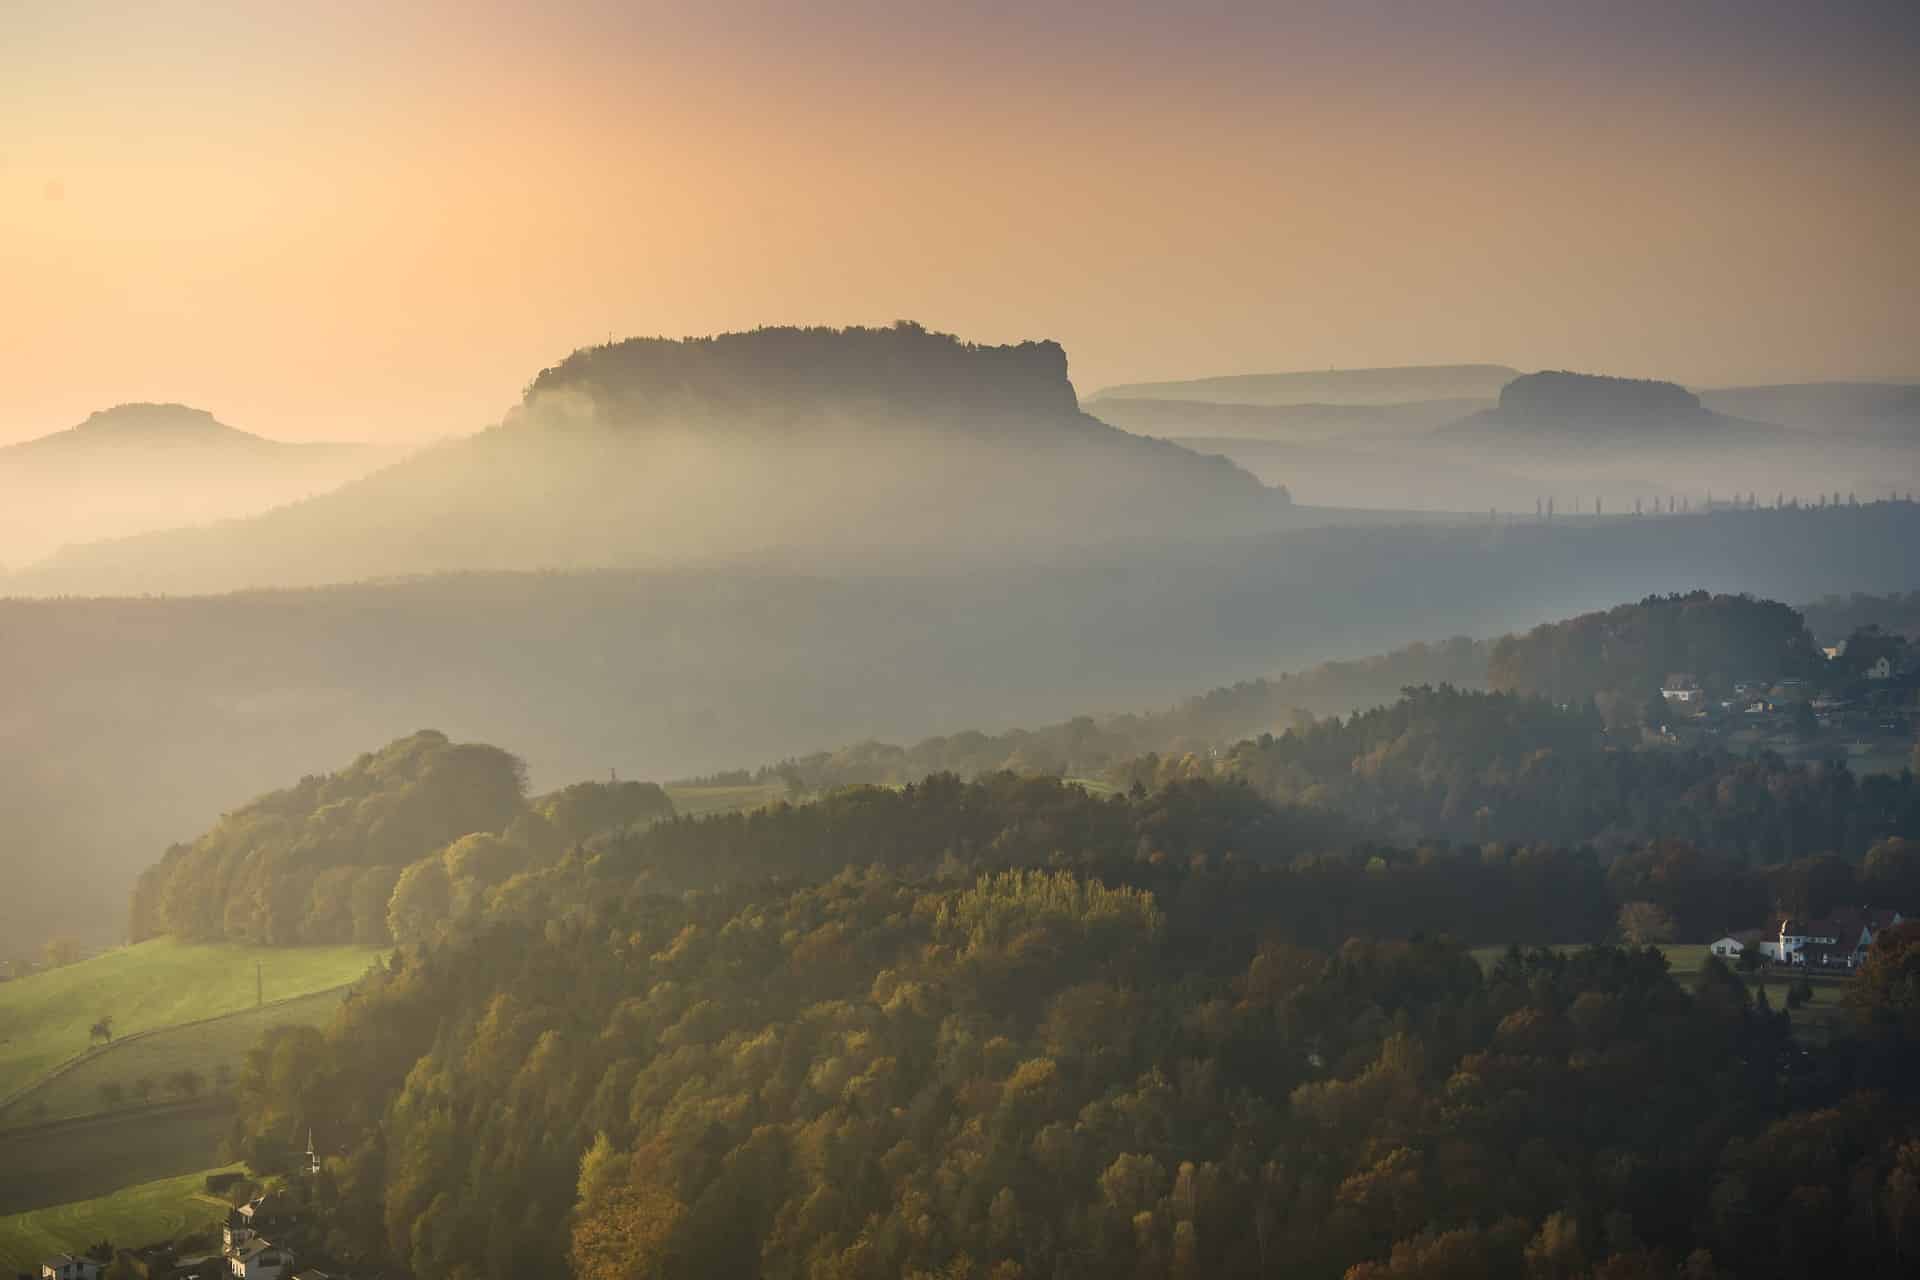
point(340, 221)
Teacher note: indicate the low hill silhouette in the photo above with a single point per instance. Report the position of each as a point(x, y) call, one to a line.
point(1394, 385)
point(139, 467)
point(781, 445)
point(1830, 408)
point(1189, 420)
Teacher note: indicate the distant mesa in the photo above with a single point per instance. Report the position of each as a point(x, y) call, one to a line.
point(135, 468)
point(1559, 407)
point(771, 446)
point(1559, 396)
point(146, 426)
point(785, 375)
point(1394, 385)
point(158, 422)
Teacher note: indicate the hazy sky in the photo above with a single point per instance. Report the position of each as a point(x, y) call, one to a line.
point(375, 219)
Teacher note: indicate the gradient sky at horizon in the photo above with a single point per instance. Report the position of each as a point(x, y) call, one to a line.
point(375, 221)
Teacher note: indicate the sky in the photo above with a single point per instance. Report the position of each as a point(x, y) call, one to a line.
point(376, 221)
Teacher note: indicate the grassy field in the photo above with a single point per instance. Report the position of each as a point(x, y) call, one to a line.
point(693, 802)
point(132, 1216)
point(79, 1159)
point(44, 1018)
point(203, 1047)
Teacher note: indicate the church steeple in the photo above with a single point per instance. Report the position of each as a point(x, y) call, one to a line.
point(313, 1160)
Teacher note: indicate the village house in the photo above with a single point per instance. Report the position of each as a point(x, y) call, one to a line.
point(262, 1213)
point(71, 1266)
point(250, 1255)
point(260, 1259)
point(1880, 669)
point(1683, 688)
point(1839, 941)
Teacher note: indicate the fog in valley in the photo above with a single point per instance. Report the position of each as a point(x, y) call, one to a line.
point(1339, 699)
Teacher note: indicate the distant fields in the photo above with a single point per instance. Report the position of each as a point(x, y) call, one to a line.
point(131, 1216)
point(44, 1018)
point(694, 802)
point(202, 1047)
point(76, 1160)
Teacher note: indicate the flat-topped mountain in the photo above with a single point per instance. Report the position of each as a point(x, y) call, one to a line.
point(776, 446)
point(138, 425)
point(1560, 409)
point(780, 377)
point(1394, 385)
point(139, 467)
point(143, 426)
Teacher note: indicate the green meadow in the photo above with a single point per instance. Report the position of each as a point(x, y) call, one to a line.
point(202, 1047)
point(131, 1216)
point(44, 1018)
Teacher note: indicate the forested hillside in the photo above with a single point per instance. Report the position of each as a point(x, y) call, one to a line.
point(321, 861)
point(1620, 658)
point(1480, 766)
point(1087, 746)
point(1184, 1047)
point(1834, 618)
point(670, 674)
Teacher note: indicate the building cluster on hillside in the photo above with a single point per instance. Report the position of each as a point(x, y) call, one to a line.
point(1864, 703)
point(247, 1252)
point(1837, 941)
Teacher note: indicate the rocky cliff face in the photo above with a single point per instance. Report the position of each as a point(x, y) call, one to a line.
point(785, 375)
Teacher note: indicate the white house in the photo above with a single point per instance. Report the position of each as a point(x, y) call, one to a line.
point(1881, 669)
point(260, 1260)
point(71, 1266)
point(1727, 948)
point(1683, 689)
point(1838, 942)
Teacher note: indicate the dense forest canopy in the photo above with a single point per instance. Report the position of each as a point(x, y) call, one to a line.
point(1219, 1022)
point(1148, 1055)
point(1834, 618)
point(1621, 657)
point(1505, 767)
point(348, 856)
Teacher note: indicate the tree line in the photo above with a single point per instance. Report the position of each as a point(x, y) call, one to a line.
point(1081, 1036)
point(346, 856)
